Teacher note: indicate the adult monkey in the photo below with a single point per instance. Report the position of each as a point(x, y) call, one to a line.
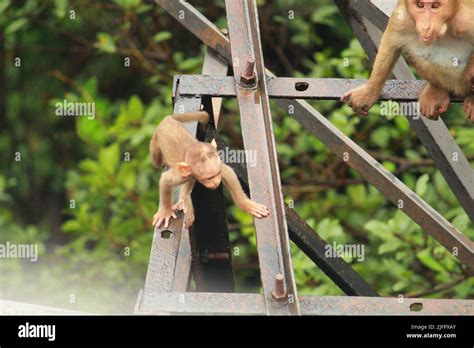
point(438, 38)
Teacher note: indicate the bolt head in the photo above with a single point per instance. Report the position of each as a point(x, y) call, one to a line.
point(248, 80)
point(280, 298)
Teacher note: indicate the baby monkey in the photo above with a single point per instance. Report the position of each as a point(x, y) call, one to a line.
point(189, 160)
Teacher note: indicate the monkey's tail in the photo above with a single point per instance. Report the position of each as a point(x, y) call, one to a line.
point(198, 116)
point(155, 153)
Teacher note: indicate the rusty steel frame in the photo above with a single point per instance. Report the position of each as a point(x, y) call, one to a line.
point(245, 27)
point(422, 213)
point(254, 304)
point(257, 132)
point(430, 220)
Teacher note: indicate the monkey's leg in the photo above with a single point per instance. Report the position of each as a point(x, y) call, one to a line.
point(434, 101)
point(238, 195)
point(168, 181)
point(469, 108)
point(361, 99)
point(469, 75)
point(195, 116)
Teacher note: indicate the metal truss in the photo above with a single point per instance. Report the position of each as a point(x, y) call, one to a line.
point(205, 257)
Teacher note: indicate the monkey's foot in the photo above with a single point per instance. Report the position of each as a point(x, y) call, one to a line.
point(256, 209)
point(163, 215)
point(434, 102)
point(361, 99)
point(189, 219)
point(469, 108)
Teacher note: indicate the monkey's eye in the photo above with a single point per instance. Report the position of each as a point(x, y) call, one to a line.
point(419, 4)
point(435, 5)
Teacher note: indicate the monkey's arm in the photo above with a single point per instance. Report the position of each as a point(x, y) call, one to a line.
point(168, 180)
point(361, 99)
point(238, 195)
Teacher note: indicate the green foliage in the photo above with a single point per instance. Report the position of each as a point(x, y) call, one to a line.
point(85, 191)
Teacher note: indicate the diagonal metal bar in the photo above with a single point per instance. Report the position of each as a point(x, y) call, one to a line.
point(368, 24)
point(314, 246)
point(264, 179)
point(430, 220)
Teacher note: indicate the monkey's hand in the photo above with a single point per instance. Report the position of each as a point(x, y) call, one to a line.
point(256, 209)
point(469, 108)
point(361, 99)
point(163, 215)
point(179, 205)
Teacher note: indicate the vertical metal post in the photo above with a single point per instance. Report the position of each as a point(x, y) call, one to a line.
point(264, 179)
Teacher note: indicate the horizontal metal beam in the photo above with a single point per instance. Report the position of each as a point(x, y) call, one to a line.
point(254, 304)
point(296, 88)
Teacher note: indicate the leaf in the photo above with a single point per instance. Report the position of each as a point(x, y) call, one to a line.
point(425, 258)
point(15, 26)
point(127, 176)
point(162, 36)
point(422, 185)
point(91, 131)
point(105, 43)
point(135, 108)
point(3, 5)
point(388, 247)
point(60, 8)
point(109, 158)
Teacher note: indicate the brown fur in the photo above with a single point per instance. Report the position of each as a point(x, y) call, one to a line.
point(432, 41)
point(190, 160)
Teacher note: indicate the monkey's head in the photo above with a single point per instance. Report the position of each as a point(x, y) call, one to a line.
point(202, 161)
point(431, 17)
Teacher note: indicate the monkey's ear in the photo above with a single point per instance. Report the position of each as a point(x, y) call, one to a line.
point(213, 143)
point(184, 169)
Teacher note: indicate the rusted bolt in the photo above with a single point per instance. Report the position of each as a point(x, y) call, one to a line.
point(248, 76)
point(279, 295)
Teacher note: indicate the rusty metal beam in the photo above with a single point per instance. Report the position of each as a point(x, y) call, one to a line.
point(314, 246)
point(423, 214)
point(264, 179)
point(435, 136)
point(296, 88)
point(254, 304)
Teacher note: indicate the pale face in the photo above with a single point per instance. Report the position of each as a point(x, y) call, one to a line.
point(431, 17)
point(211, 177)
